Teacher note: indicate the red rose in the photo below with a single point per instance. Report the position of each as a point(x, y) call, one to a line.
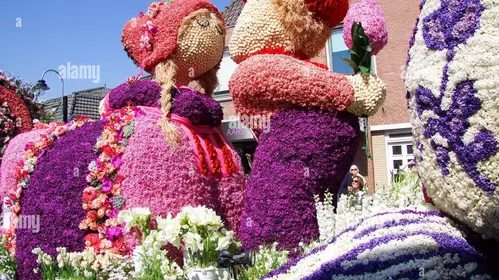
point(107, 150)
point(119, 245)
point(92, 215)
point(118, 179)
point(89, 195)
point(93, 241)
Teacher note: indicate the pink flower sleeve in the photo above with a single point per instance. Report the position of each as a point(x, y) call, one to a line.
point(265, 83)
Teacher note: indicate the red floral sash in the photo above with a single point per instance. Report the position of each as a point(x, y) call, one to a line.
point(214, 155)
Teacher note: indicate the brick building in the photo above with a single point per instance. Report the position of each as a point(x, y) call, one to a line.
point(389, 130)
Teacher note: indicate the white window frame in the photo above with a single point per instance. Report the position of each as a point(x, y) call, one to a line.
point(223, 95)
point(404, 142)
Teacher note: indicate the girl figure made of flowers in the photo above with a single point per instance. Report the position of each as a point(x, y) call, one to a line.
point(158, 145)
point(313, 130)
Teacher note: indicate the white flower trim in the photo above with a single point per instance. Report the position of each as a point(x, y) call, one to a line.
point(346, 242)
point(383, 252)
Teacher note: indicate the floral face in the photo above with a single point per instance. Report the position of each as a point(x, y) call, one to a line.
point(258, 27)
point(201, 43)
point(277, 25)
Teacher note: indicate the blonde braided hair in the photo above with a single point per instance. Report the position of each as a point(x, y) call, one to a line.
point(165, 73)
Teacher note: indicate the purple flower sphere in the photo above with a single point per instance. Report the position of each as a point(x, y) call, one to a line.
point(199, 108)
point(139, 93)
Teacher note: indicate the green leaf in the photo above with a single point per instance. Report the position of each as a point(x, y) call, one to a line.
point(355, 57)
point(351, 64)
point(354, 54)
point(364, 69)
point(128, 130)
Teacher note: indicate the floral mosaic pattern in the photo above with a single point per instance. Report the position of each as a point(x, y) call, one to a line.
point(445, 29)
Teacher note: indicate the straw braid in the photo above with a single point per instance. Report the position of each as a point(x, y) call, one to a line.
point(165, 73)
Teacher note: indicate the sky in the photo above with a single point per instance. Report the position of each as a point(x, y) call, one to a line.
point(37, 35)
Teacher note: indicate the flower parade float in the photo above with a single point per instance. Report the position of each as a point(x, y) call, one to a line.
point(452, 96)
point(314, 130)
point(159, 145)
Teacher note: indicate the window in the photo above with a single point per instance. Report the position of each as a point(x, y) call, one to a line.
point(339, 49)
point(399, 152)
point(227, 67)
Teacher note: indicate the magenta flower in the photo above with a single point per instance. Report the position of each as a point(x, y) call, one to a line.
point(370, 15)
point(107, 186)
point(113, 233)
point(116, 162)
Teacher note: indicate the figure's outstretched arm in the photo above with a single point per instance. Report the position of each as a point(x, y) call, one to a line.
point(265, 83)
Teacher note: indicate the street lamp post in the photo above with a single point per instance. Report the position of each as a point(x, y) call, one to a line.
point(42, 85)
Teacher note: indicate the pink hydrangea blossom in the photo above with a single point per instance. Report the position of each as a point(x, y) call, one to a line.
point(370, 15)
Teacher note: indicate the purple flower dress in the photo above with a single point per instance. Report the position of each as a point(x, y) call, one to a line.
point(305, 152)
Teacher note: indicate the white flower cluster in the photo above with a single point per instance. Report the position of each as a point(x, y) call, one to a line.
point(382, 239)
point(86, 264)
point(267, 259)
point(369, 92)
point(476, 60)
point(134, 217)
point(403, 194)
point(197, 230)
point(325, 217)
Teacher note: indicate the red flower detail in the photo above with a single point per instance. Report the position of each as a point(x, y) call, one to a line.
point(89, 194)
point(202, 160)
point(18, 108)
point(427, 199)
point(92, 215)
point(230, 165)
point(119, 179)
point(119, 246)
point(93, 240)
point(109, 151)
point(81, 119)
point(212, 153)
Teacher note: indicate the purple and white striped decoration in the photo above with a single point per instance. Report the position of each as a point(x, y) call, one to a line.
point(394, 245)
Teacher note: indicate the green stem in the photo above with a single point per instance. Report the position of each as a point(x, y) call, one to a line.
point(366, 134)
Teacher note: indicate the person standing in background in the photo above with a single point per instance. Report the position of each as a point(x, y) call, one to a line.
point(347, 181)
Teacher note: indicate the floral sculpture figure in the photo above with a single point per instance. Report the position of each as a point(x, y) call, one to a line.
point(158, 145)
point(314, 131)
point(453, 93)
